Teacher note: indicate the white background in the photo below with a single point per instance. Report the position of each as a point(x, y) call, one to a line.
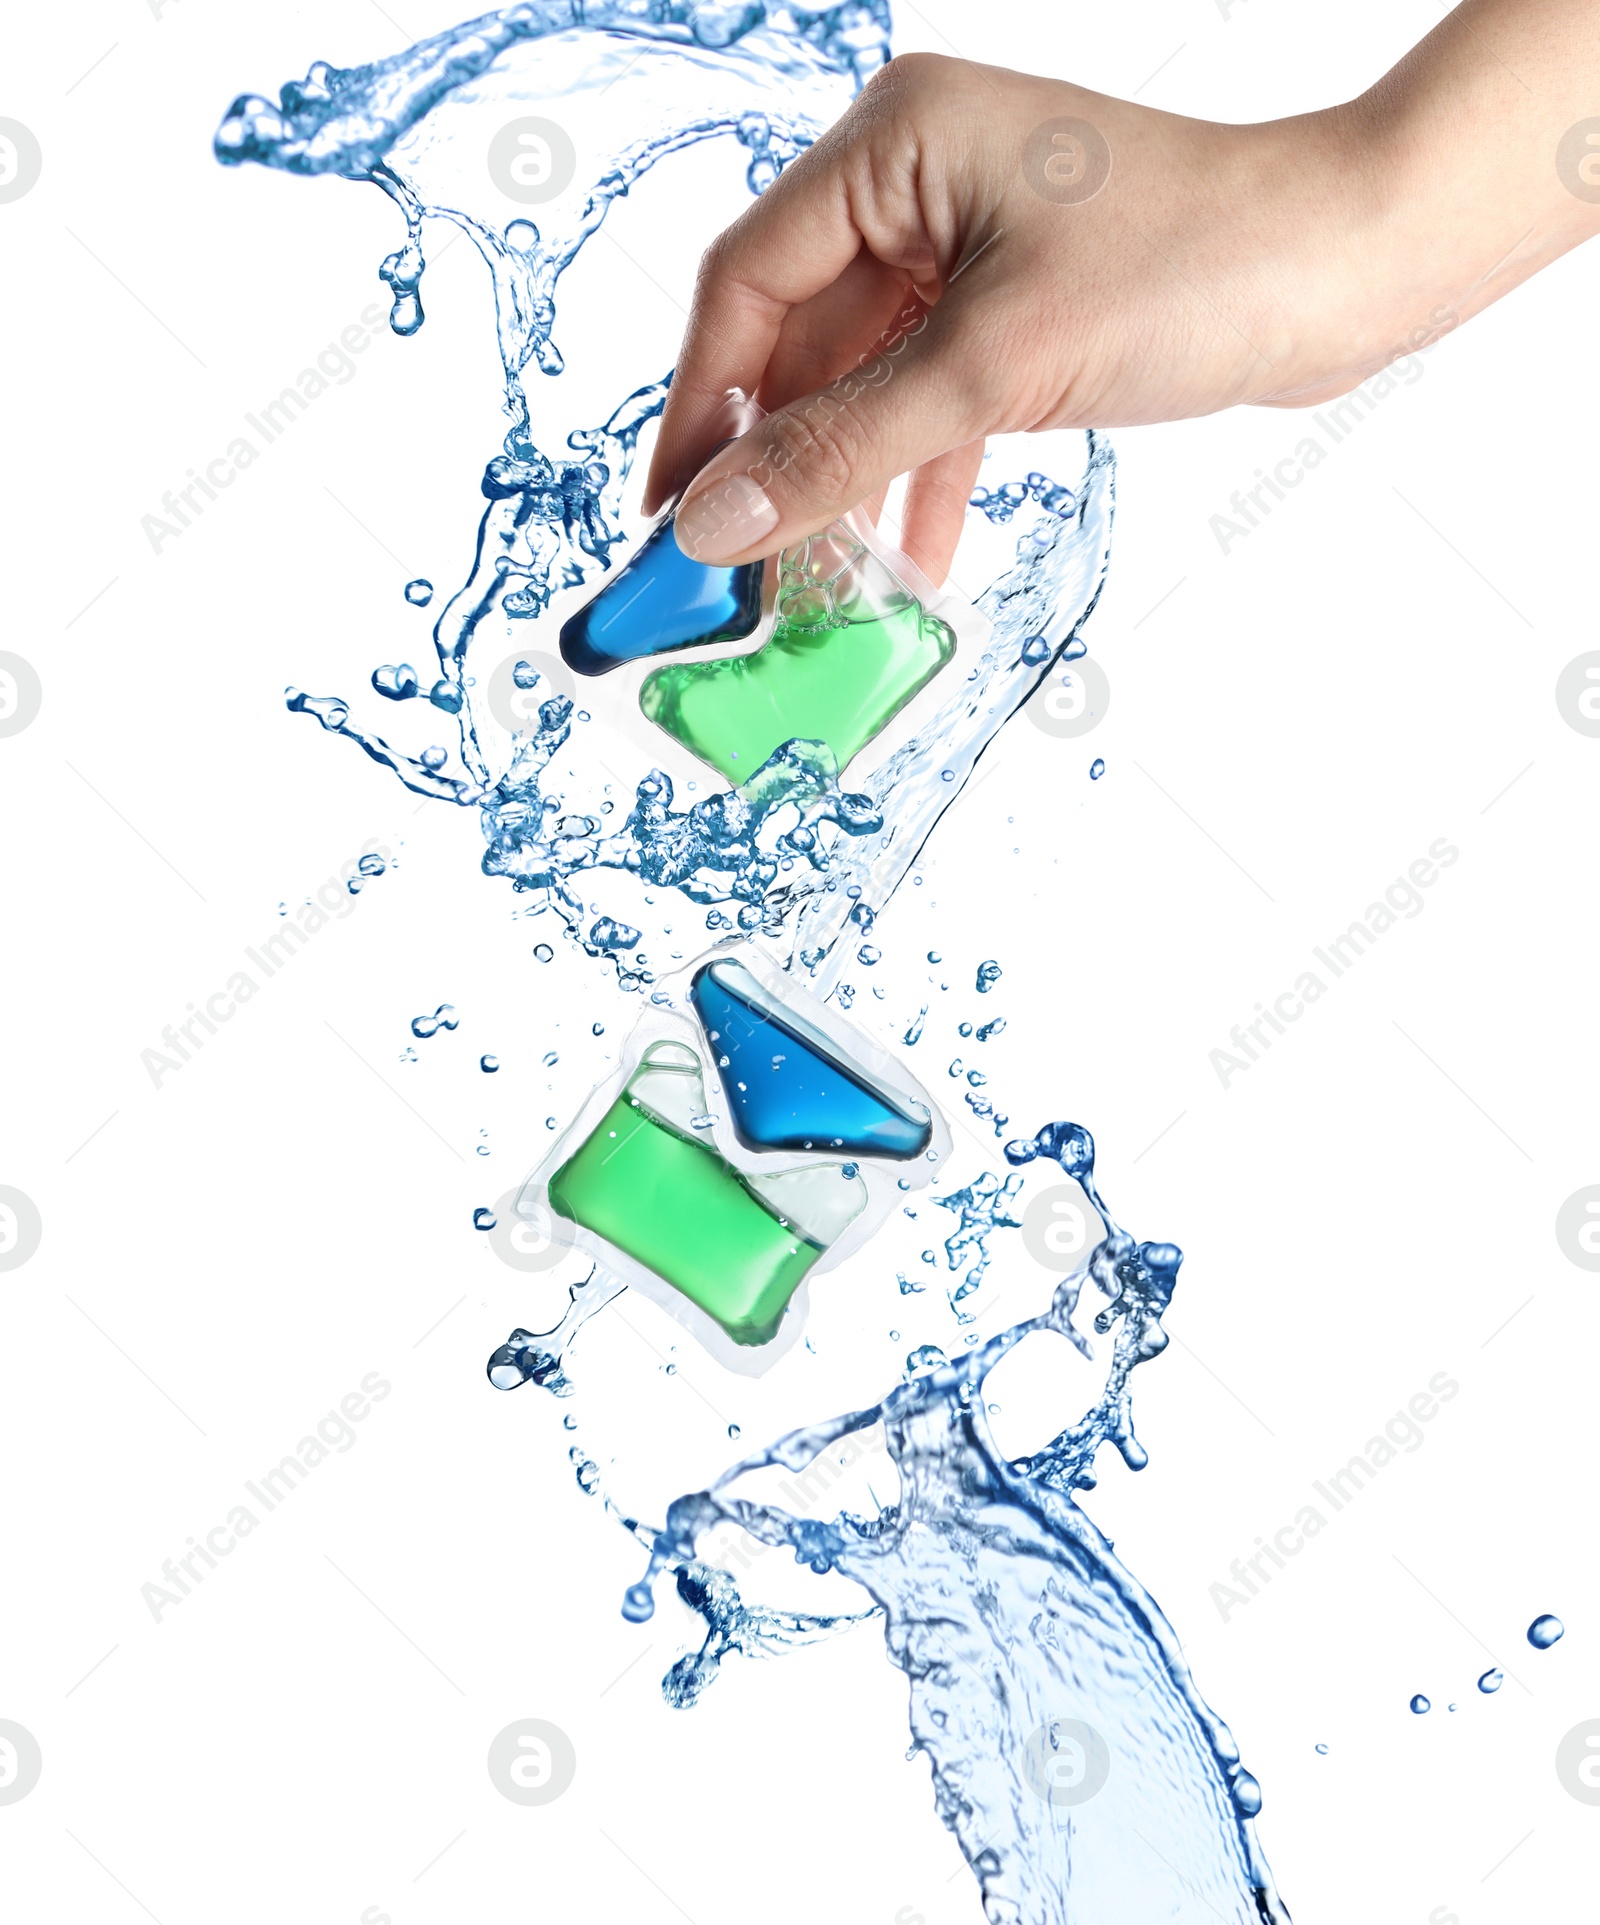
point(226, 1256)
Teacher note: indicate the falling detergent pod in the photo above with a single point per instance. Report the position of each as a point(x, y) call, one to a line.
point(853, 641)
point(661, 600)
point(788, 1085)
point(721, 1210)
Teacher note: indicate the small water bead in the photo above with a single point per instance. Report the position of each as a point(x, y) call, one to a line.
point(925, 1357)
point(869, 955)
point(445, 695)
point(955, 1067)
point(934, 956)
point(1246, 1793)
point(550, 1059)
point(1419, 1704)
point(569, 1422)
point(848, 1170)
point(328, 709)
point(444, 1017)
point(638, 1603)
point(434, 759)
point(1035, 650)
point(1075, 650)
point(1545, 1631)
point(947, 775)
point(488, 1064)
point(524, 675)
point(398, 681)
point(1097, 768)
point(976, 1078)
point(988, 976)
point(419, 592)
point(597, 1029)
point(964, 1029)
point(483, 1219)
point(588, 1475)
point(609, 935)
point(995, 1028)
point(543, 952)
point(1322, 1751)
point(1491, 1681)
point(370, 866)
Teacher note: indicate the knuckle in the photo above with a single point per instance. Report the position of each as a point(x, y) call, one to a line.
point(822, 446)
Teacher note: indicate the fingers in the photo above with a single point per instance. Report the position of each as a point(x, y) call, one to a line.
point(794, 242)
point(936, 509)
point(928, 391)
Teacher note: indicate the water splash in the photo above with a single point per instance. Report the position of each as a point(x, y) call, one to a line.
point(1033, 1658)
point(1070, 1753)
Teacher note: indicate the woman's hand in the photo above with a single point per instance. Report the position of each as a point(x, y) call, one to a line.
point(972, 251)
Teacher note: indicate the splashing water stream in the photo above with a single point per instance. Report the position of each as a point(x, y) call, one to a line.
point(1071, 1755)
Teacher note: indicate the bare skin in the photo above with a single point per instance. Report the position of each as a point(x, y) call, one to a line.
point(949, 262)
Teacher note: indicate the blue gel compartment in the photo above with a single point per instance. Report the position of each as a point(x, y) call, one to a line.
point(661, 600)
point(789, 1087)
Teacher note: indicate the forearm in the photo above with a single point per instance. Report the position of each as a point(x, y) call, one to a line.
point(1459, 177)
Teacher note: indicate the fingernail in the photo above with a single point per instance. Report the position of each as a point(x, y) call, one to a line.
point(724, 518)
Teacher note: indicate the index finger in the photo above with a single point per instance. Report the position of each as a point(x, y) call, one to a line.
point(797, 240)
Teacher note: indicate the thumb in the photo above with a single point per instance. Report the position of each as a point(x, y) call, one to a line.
point(922, 392)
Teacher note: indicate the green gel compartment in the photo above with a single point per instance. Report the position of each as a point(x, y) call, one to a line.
point(737, 1245)
point(850, 646)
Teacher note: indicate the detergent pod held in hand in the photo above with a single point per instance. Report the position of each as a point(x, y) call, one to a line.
point(721, 1203)
point(660, 600)
point(848, 648)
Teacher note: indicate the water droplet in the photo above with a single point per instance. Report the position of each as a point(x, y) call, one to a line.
point(638, 1604)
point(398, 681)
point(1419, 1704)
point(733, 1430)
point(988, 976)
point(488, 1064)
point(433, 759)
point(1545, 1631)
point(597, 1029)
point(419, 593)
point(1322, 1751)
point(1035, 650)
point(934, 956)
point(1491, 1681)
point(444, 1017)
point(869, 954)
point(483, 1219)
point(1097, 768)
point(542, 951)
